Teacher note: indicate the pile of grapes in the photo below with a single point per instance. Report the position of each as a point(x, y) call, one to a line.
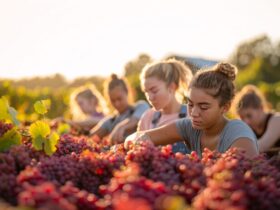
point(83, 175)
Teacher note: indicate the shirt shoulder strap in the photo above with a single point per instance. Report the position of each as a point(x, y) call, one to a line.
point(131, 110)
point(183, 111)
point(157, 115)
point(156, 118)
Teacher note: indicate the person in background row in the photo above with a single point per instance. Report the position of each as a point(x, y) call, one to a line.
point(87, 107)
point(210, 94)
point(162, 82)
point(127, 115)
point(252, 108)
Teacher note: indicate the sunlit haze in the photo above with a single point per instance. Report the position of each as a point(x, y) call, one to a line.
point(90, 37)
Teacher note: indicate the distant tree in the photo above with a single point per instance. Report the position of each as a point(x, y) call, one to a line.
point(96, 80)
point(135, 66)
point(54, 81)
point(249, 50)
point(259, 63)
point(251, 74)
point(132, 70)
point(260, 48)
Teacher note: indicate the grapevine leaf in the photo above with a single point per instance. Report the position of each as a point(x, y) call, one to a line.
point(39, 132)
point(63, 128)
point(39, 128)
point(42, 106)
point(10, 138)
point(13, 114)
point(38, 142)
point(50, 144)
point(4, 113)
point(7, 112)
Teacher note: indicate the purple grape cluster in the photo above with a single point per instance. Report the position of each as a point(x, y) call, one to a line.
point(84, 175)
point(275, 161)
point(192, 177)
point(8, 188)
point(134, 186)
point(156, 164)
point(96, 169)
point(224, 189)
point(69, 144)
point(236, 182)
point(60, 169)
point(44, 196)
point(4, 127)
point(82, 199)
point(22, 156)
point(31, 176)
point(8, 173)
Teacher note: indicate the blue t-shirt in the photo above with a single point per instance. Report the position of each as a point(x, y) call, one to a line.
point(233, 130)
point(136, 111)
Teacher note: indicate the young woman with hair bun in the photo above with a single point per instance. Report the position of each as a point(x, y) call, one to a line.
point(126, 113)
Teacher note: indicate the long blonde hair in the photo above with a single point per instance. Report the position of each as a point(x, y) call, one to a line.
point(170, 71)
point(88, 91)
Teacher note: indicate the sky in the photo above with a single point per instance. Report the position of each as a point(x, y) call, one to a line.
point(80, 38)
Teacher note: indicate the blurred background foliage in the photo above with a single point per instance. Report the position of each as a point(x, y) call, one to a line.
point(258, 61)
point(22, 94)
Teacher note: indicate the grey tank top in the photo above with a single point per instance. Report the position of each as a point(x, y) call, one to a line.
point(233, 130)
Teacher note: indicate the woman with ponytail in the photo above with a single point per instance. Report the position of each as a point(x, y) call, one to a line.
point(164, 84)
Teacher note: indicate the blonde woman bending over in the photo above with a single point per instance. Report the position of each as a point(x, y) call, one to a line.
point(164, 84)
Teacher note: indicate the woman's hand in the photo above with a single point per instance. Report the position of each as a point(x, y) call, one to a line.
point(117, 135)
point(136, 138)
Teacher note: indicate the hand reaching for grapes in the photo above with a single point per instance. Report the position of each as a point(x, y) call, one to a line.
point(136, 138)
point(117, 135)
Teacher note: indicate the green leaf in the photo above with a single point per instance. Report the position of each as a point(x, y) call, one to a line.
point(39, 132)
point(42, 106)
point(10, 138)
point(63, 128)
point(13, 116)
point(39, 128)
point(4, 112)
point(50, 144)
point(38, 142)
point(8, 113)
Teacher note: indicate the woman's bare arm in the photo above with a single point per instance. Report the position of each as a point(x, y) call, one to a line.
point(163, 135)
point(248, 145)
point(271, 135)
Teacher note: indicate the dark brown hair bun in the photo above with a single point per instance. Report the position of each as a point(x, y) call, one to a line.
point(114, 77)
point(227, 69)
